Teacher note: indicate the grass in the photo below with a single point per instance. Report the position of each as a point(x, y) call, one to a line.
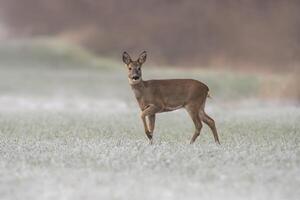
point(75, 133)
point(75, 155)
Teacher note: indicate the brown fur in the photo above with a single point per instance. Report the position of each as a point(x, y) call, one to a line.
point(156, 96)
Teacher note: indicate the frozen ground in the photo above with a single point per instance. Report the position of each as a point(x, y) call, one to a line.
point(87, 154)
point(76, 134)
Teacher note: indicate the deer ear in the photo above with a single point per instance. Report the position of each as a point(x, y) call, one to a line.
point(142, 57)
point(126, 58)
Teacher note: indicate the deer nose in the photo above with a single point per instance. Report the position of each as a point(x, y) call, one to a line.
point(135, 77)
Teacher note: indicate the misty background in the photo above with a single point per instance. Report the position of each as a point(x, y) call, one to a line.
point(70, 125)
point(205, 33)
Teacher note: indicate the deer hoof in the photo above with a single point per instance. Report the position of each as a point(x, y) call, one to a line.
point(151, 142)
point(149, 135)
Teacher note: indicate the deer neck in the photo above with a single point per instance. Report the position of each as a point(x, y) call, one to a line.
point(138, 89)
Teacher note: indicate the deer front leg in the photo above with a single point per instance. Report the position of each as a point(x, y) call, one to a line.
point(151, 125)
point(146, 127)
point(150, 113)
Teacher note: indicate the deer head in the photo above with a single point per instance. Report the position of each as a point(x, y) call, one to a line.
point(134, 67)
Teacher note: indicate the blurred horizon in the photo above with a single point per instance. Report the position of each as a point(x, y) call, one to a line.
point(260, 39)
point(233, 34)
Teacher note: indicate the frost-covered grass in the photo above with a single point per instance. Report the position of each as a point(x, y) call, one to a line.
point(75, 133)
point(90, 155)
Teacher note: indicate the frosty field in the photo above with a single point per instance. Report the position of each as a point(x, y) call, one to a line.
point(74, 132)
point(90, 155)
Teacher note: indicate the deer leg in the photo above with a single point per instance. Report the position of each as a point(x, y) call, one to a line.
point(211, 123)
point(151, 120)
point(197, 122)
point(150, 112)
point(146, 128)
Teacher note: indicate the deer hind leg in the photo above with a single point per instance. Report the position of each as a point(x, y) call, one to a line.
point(211, 123)
point(193, 112)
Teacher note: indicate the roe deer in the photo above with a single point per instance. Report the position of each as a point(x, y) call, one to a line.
point(156, 96)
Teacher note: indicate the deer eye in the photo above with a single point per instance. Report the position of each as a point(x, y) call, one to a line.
point(129, 68)
point(139, 68)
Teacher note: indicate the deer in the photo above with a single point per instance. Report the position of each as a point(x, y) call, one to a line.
point(158, 96)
